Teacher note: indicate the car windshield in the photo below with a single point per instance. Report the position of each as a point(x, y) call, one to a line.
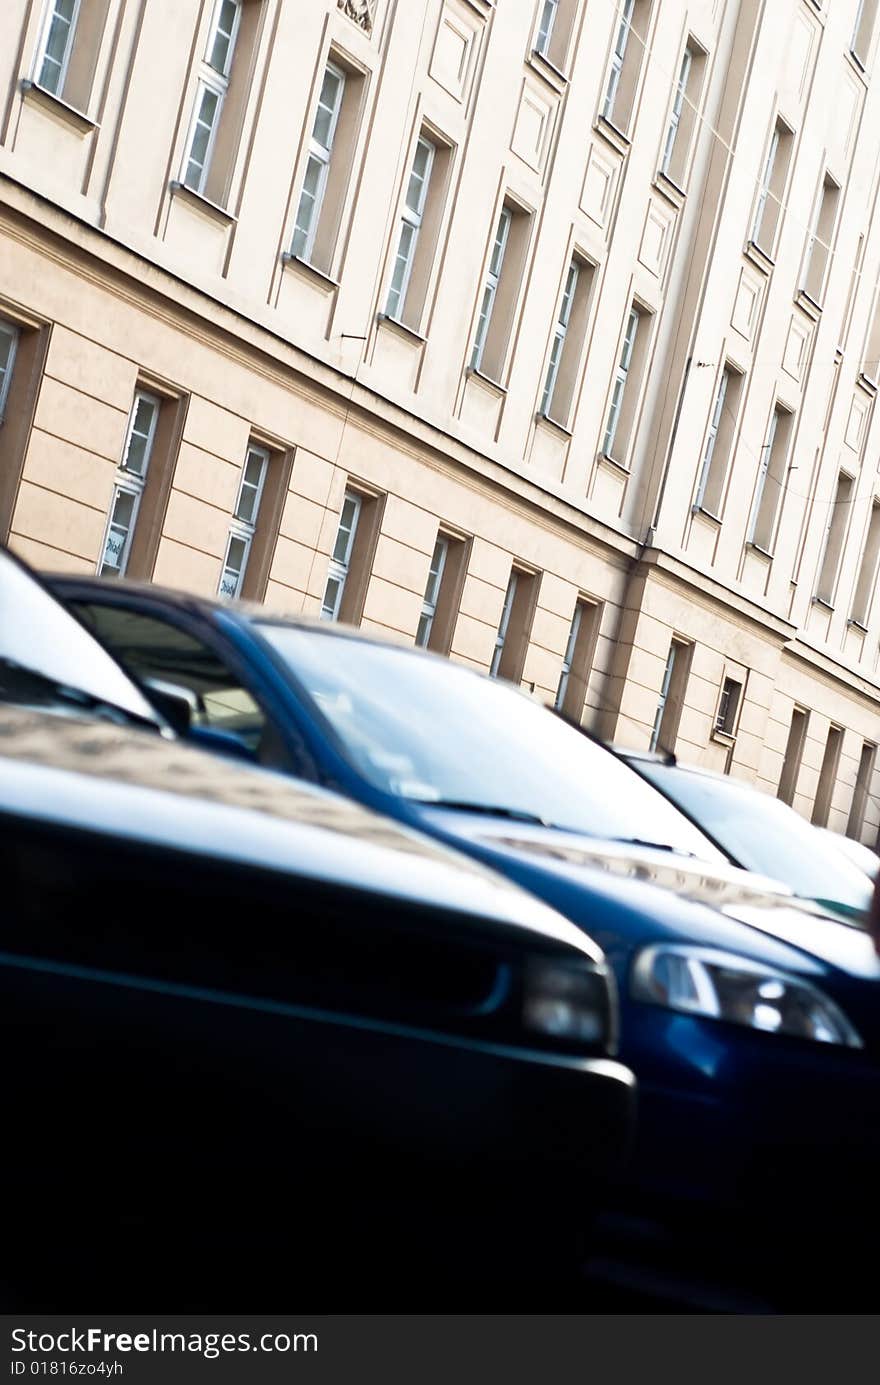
point(764, 834)
point(48, 657)
point(428, 730)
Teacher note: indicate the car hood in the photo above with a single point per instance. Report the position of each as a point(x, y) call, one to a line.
point(95, 776)
point(758, 904)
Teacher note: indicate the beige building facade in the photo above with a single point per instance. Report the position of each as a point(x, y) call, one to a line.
point(543, 333)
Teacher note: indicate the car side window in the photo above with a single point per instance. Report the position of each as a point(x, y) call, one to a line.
point(153, 648)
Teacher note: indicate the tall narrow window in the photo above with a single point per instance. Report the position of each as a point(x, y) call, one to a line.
point(827, 777)
point(794, 753)
point(411, 223)
point(244, 523)
point(719, 442)
point(8, 344)
point(515, 625)
point(211, 92)
point(621, 377)
point(819, 247)
point(728, 706)
point(545, 27)
point(56, 44)
point(671, 699)
point(129, 488)
point(318, 167)
point(621, 42)
point(493, 276)
point(871, 359)
point(867, 578)
point(677, 108)
point(771, 480)
point(562, 322)
point(340, 559)
point(577, 662)
point(772, 188)
point(836, 524)
point(864, 775)
point(863, 31)
point(432, 591)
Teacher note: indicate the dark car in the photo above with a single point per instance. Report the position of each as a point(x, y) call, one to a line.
point(261, 1044)
point(759, 832)
point(753, 1025)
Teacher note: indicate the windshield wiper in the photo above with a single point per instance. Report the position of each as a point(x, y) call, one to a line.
point(654, 846)
point(489, 810)
point(18, 683)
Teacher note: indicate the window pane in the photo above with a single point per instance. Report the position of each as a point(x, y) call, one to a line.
point(118, 532)
point(328, 101)
point(220, 51)
point(332, 598)
point(8, 340)
point(137, 453)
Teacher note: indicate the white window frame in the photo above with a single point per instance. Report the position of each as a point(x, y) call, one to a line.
point(322, 154)
point(410, 217)
point(721, 715)
point(620, 378)
point(618, 54)
point(432, 591)
point(764, 191)
point(11, 333)
point(130, 483)
point(503, 624)
point(339, 567)
point(490, 288)
point(559, 335)
point(217, 83)
point(549, 15)
point(243, 529)
point(45, 31)
point(568, 657)
point(677, 108)
point(766, 453)
point(712, 436)
point(664, 694)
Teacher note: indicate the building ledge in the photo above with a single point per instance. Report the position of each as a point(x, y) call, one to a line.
point(395, 325)
point(761, 552)
point(553, 424)
point(486, 380)
point(808, 305)
point(619, 142)
point(77, 120)
point(548, 71)
point(859, 625)
point(699, 512)
point(668, 188)
point(309, 271)
point(825, 604)
point(620, 467)
point(759, 257)
point(202, 204)
point(866, 383)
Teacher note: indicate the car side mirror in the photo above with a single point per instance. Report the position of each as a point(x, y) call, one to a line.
point(177, 704)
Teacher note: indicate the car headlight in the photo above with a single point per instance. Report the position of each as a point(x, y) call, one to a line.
point(568, 1003)
point(720, 985)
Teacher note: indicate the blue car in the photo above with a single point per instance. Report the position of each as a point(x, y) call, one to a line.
point(751, 1018)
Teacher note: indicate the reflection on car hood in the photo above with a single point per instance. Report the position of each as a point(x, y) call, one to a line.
point(754, 900)
point(93, 775)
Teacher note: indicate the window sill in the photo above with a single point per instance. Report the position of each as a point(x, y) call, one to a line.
point(202, 203)
point(384, 320)
point(857, 625)
point(808, 305)
point(610, 133)
point(553, 424)
point(759, 257)
point(858, 66)
point(706, 514)
point(482, 7)
point(487, 381)
point(309, 271)
point(551, 74)
point(723, 737)
point(615, 465)
point(669, 189)
point(867, 384)
point(821, 601)
point(77, 120)
point(761, 552)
